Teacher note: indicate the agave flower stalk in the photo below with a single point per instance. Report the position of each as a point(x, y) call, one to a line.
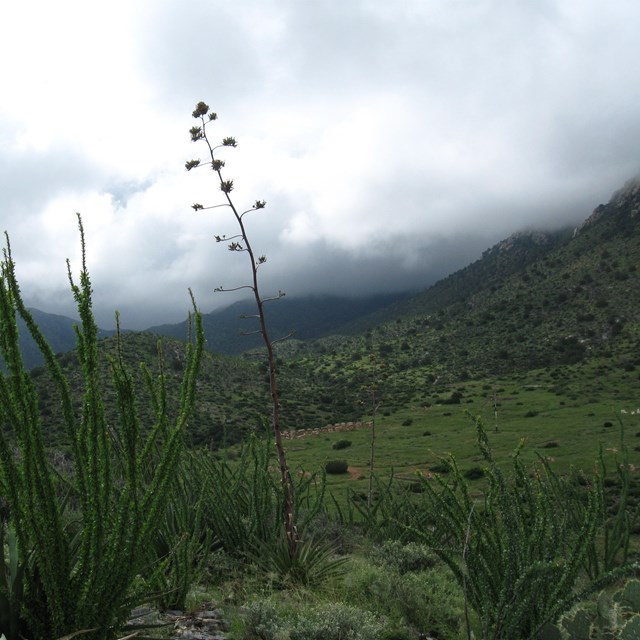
point(240, 243)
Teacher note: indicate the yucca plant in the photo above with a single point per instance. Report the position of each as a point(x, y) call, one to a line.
point(242, 498)
point(315, 562)
point(79, 578)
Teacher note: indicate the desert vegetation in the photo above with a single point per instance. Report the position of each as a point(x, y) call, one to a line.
point(455, 475)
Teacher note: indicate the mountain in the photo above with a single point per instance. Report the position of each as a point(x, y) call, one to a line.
point(306, 318)
point(488, 273)
point(532, 301)
point(58, 330)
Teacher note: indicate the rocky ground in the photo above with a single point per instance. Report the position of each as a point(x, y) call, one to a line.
point(205, 624)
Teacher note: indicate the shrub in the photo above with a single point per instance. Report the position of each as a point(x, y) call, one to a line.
point(263, 621)
point(341, 444)
point(531, 414)
point(408, 422)
point(475, 473)
point(336, 467)
point(427, 600)
point(441, 467)
point(323, 621)
point(454, 398)
point(403, 558)
point(336, 621)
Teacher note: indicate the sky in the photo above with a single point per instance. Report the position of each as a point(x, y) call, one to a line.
point(392, 141)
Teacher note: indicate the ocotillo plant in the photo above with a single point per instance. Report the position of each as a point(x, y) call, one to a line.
point(79, 576)
point(240, 243)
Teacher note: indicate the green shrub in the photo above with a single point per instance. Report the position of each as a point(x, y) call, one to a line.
point(336, 467)
point(403, 557)
point(427, 601)
point(341, 444)
point(265, 620)
point(336, 621)
point(475, 473)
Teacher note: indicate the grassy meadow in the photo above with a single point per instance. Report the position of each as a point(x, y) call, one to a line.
point(564, 414)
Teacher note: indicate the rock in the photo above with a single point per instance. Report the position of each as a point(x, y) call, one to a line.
point(207, 624)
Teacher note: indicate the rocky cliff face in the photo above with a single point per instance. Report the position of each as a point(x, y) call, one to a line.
point(527, 238)
point(625, 201)
point(628, 197)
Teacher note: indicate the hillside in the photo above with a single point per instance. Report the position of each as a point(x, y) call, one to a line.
point(308, 317)
point(533, 301)
point(57, 329)
point(232, 396)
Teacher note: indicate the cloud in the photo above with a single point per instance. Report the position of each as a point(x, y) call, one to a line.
point(392, 141)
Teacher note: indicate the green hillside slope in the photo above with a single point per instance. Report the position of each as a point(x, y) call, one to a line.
point(533, 301)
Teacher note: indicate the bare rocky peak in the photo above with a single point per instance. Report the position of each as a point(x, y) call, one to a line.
point(627, 197)
point(521, 237)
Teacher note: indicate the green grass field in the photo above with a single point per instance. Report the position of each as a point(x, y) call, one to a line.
point(564, 414)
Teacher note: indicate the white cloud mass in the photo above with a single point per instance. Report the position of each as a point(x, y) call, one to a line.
point(393, 142)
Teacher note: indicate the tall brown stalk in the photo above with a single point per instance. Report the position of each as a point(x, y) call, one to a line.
point(240, 243)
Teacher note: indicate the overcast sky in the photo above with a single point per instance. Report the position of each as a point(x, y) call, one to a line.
point(393, 141)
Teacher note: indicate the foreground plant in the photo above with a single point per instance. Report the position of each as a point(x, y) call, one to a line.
point(516, 554)
point(240, 243)
point(78, 576)
point(613, 615)
point(617, 516)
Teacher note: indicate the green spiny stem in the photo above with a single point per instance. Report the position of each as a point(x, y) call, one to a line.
point(81, 580)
